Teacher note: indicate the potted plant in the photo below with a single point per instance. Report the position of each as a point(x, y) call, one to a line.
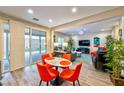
point(70, 43)
point(114, 56)
point(109, 53)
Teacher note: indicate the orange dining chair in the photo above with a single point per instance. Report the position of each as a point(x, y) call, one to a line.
point(72, 74)
point(43, 60)
point(67, 56)
point(46, 74)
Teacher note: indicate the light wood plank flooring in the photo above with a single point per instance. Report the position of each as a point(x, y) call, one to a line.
point(28, 76)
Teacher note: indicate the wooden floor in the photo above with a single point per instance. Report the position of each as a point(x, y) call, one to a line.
point(28, 76)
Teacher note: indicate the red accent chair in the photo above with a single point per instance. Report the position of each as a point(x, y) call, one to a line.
point(46, 74)
point(43, 60)
point(67, 56)
point(94, 53)
point(72, 74)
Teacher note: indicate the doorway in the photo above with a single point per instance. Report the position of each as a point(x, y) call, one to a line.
point(35, 45)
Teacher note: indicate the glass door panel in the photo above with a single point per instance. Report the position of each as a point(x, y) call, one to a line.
point(60, 42)
point(43, 44)
point(37, 45)
point(5, 45)
point(6, 64)
point(27, 46)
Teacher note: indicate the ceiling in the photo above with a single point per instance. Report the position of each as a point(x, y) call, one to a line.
point(101, 26)
point(59, 14)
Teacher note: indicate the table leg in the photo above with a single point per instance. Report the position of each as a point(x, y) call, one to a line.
point(57, 81)
point(56, 68)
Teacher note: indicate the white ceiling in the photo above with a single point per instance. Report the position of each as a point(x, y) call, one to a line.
point(59, 14)
point(105, 25)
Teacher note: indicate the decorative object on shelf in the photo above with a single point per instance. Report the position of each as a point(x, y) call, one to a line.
point(96, 41)
point(114, 56)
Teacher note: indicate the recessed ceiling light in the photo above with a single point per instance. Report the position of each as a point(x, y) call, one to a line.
point(81, 32)
point(74, 10)
point(30, 11)
point(102, 29)
point(50, 20)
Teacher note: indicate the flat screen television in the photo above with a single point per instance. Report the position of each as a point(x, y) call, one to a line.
point(84, 42)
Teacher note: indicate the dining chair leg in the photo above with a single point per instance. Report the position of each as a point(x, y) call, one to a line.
point(78, 82)
point(56, 68)
point(47, 83)
point(40, 82)
point(73, 83)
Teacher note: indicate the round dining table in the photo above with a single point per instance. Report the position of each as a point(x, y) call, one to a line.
point(58, 62)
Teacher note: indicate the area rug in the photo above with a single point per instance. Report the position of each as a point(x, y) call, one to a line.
point(86, 58)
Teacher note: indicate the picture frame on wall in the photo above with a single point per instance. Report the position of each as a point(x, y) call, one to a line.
point(96, 41)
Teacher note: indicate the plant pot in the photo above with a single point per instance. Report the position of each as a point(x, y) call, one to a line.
point(116, 81)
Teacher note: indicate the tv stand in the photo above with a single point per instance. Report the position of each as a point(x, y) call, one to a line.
point(83, 50)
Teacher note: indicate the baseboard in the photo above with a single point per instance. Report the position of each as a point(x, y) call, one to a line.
point(17, 68)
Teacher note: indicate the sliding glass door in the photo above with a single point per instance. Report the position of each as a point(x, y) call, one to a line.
point(27, 46)
point(43, 46)
point(6, 64)
point(35, 45)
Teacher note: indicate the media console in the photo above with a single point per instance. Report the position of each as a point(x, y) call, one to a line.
point(83, 50)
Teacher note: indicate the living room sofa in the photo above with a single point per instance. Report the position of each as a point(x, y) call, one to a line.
point(73, 55)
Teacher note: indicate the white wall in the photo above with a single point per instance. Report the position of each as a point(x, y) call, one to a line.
point(90, 36)
point(17, 49)
point(66, 37)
